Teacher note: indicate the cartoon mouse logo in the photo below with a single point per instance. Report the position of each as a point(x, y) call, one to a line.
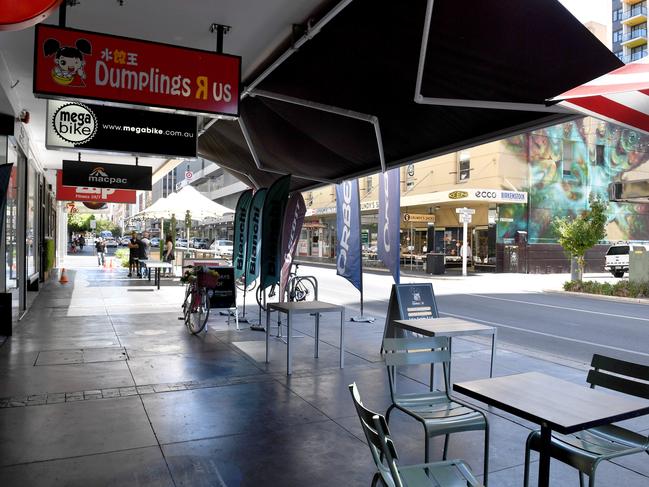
point(68, 61)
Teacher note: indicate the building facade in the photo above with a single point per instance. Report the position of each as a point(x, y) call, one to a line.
point(516, 186)
point(629, 29)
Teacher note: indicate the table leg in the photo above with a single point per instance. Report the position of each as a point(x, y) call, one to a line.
point(317, 333)
point(148, 273)
point(544, 451)
point(342, 338)
point(289, 334)
point(157, 277)
point(493, 353)
point(267, 329)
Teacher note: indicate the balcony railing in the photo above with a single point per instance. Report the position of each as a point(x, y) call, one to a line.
point(636, 34)
point(634, 12)
point(636, 56)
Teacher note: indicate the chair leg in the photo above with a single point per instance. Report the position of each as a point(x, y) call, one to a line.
point(581, 479)
point(526, 473)
point(375, 479)
point(444, 454)
point(486, 455)
point(387, 413)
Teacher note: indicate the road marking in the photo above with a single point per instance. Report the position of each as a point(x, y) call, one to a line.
point(561, 307)
point(550, 335)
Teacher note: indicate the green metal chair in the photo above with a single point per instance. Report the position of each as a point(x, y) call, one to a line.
point(451, 473)
point(435, 410)
point(586, 449)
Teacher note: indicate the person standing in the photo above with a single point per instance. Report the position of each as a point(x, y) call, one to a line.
point(143, 254)
point(169, 254)
point(133, 255)
point(100, 246)
point(82, 242)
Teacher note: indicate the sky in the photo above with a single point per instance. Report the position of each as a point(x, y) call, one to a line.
point(586, 10)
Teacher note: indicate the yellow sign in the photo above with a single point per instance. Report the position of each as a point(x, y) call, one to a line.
point(418, 217)
point(458, 195)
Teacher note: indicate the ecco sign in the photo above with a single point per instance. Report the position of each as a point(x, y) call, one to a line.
point(99, 175)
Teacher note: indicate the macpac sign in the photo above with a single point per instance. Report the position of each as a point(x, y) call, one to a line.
point(105, 128)
point(84, 193)
point(70, 63)
point(100, 175)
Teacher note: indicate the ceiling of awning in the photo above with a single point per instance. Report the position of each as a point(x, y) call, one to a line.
point(366, 59)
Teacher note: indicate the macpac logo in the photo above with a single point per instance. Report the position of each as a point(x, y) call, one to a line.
point(341, 262)
point(458, 195)
point(486, 194)
point(98, 175)
point(75, 123)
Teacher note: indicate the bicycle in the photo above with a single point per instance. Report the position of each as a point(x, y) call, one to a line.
point(196, 305)
point(298, 288)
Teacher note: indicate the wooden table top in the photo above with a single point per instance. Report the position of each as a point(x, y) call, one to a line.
point(564, 406)
point(305, 307)
point(447, 326)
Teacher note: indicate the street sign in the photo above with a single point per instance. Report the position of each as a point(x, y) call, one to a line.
point(465, 218)
point(466, 211)
point(189, 174)
point(93, 224)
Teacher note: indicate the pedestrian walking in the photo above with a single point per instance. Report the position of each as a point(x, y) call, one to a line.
point(82, 242)
point(100, 247)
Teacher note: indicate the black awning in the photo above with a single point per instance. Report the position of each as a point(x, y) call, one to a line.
point(366, 61)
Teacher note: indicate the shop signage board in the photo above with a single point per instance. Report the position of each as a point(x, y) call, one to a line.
point(86, 127)
point(84, 193)
point(409, 302)
point(101, 175)
point(418, 217)
point(70, 63)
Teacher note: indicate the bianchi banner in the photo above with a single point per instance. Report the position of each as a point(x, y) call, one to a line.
point(240, 235)
point(271, 235)
point(253, 248)
point(89, 127)
point(291, 229)
point(348, 228)
point(389, 213)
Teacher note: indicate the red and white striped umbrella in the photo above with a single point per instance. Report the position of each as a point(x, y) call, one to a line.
point(621, 96)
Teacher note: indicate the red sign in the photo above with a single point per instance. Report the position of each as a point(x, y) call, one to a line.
point(20, 15)
point(80, 193)
point(71, 63)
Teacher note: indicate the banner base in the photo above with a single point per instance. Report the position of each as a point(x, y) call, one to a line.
point(363, 319)
point(254, 327)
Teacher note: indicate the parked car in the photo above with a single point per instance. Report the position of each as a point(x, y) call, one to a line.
point(181, 242)
point(223, 248)
point(110, 242)
point(155, 242)
point(199, 243)
point(124, 241)
point(617, 257)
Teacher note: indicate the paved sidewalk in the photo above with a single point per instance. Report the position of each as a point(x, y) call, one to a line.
point(104, 386)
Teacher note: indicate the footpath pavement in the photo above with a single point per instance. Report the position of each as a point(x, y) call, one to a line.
point(103, 385)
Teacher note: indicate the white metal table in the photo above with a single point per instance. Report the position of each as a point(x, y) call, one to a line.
point(305, 307)
point(157, 266)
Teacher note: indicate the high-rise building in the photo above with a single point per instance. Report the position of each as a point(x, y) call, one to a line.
point(629, 29)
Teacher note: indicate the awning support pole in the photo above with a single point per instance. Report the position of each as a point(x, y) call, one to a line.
point(457, 102)
point(330, 109)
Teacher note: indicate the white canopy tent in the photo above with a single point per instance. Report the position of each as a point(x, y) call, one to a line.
point(187, 199)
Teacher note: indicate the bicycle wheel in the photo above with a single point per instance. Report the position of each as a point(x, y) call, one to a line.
point(240, 285)
point(199, 312)
point(303, 290)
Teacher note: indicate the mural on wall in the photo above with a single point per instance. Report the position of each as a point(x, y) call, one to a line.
point(567, 163)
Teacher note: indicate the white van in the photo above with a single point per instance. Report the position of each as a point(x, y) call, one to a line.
point(617, 257)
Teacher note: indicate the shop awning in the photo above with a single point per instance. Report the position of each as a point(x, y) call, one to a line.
point(366, 93)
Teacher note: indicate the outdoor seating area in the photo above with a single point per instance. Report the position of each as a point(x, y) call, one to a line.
point(180, 407)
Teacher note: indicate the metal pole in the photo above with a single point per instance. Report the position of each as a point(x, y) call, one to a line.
point(63, 13)
point(464, 242)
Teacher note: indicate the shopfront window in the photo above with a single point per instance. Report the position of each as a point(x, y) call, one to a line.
point(30, 224)
point(11, 222)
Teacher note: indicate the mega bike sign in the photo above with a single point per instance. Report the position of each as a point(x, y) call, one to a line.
point(102, 175)
point(70, 63)
point(111, 129)
point(90, 194)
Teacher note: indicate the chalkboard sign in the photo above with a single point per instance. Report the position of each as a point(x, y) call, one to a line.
point(223, 294)
point(409, 302)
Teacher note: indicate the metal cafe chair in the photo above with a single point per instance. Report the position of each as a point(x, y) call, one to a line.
point(585, 450)
point(435, 410)
point(451, 473)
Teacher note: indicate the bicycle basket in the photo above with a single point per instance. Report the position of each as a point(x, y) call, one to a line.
point(207, 279)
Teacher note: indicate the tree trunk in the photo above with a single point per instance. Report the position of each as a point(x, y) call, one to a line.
point(576, 271)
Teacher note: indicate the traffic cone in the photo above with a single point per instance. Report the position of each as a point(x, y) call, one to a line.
point(112, 264)
point(63, 279)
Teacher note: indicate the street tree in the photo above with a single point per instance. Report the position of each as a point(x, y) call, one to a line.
point(577, 235)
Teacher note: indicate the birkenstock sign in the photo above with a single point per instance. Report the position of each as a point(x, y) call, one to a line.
point(101, 175)
point(77, 64)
